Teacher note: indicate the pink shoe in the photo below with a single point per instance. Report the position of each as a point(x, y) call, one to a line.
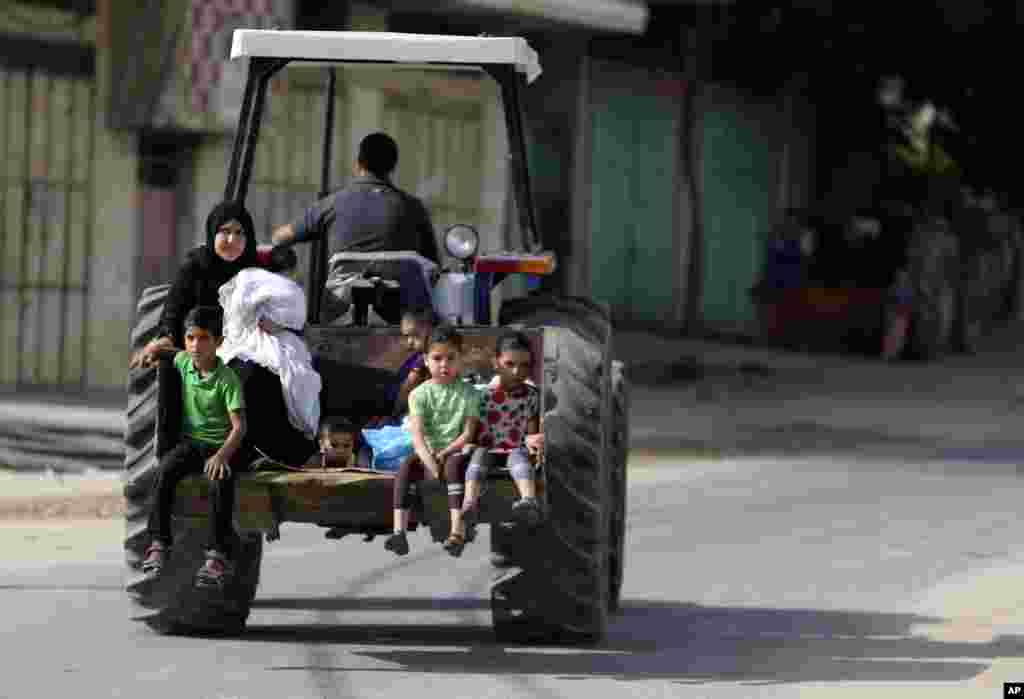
point(215, 572)
point(156, 557)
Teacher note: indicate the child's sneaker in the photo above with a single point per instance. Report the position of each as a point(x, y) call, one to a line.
point(215, 572)
point(397, 543)
point(526, 511)
point(156, 558)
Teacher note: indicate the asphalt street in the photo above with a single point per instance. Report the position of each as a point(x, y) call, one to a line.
point(798, 526)
point(745, 577)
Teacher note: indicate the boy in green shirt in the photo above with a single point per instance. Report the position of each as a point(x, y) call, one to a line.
point(444, 415)
point(213, 426)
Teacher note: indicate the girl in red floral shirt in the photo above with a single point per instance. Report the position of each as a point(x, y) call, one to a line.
point(510, 424)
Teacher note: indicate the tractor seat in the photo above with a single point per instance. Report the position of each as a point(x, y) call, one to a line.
point(390, 281)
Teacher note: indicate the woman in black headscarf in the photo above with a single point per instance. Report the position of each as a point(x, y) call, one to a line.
point(230, 247)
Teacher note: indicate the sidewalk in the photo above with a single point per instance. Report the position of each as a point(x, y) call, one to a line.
point(733, 399)
point(33, 496)
point(64, 434)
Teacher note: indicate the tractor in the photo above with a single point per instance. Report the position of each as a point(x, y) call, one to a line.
point(560, 579)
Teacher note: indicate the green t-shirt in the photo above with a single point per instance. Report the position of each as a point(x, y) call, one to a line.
point(207, 400)
point(443, 409)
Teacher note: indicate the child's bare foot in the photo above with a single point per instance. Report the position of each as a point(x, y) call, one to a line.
point(397, 543)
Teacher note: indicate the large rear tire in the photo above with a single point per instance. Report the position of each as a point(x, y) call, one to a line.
point(170, 603)
point(619, 480)
point(559, 583)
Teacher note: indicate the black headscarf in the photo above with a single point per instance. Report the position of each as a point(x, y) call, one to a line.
point(215, 268)
point(204, 272)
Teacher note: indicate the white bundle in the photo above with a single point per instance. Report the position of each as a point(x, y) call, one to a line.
point(254, 294)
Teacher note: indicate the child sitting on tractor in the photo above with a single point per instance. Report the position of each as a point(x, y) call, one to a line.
point(338, 439)
point(212, 432)
point(415, 327)
point(510, 433)
point(386, 436)
point(444, 415)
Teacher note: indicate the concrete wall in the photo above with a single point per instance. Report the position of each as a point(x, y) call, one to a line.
point(99, 208)
point(42, 22)
point(115, 232)
point(112, 272)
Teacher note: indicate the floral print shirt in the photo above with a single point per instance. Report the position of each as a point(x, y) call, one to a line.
point(504, 416)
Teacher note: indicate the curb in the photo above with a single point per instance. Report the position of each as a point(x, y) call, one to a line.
point(75, 507)
point(689, 369)
point(29, 496)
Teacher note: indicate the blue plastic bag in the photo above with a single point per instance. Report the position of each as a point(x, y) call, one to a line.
point(391, 445)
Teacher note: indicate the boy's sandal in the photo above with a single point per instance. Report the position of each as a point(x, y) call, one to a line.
point(215, 571)
point(455, 544)
point(397, 543)
point(156, 558)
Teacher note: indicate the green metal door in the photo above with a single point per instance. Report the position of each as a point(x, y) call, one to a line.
point(634, 161)
point(739, 173)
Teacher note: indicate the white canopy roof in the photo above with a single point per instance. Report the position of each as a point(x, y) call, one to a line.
point(386, 46)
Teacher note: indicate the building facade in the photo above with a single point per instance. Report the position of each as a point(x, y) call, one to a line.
point(654, 180)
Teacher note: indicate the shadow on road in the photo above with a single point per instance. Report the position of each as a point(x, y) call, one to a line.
point(657, 640)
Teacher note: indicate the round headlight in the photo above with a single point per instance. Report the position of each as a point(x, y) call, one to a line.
point(461, 241)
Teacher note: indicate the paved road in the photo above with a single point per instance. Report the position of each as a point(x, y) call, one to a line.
point(745, 577)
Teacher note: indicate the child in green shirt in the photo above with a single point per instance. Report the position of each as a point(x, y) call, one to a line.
point(444, 415)
point(212, 430)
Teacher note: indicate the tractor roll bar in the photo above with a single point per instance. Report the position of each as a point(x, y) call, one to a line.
point(261, 69)
point(318, 259)
point(248, 129)
point(508, 82)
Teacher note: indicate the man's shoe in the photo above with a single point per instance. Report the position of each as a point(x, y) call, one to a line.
point(397, 543)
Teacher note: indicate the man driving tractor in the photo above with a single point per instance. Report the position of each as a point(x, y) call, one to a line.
point(369, 215)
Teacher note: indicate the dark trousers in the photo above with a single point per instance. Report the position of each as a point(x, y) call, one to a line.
point(187, 458)
point(412, 471)
point(266, 416)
